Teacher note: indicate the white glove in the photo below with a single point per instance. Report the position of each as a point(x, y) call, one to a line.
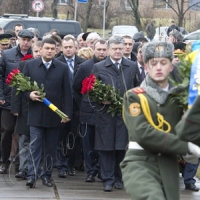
point(194, 149)
point(191, 158)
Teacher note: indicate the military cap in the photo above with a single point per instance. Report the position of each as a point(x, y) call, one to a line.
point(5, 38)
point(24, 33)
point(179, 45)
point(157, 50)
point(177, 35)
point(178, 52)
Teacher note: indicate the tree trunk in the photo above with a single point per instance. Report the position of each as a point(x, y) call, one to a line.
point(181, 15)
point(89, 7)
point(135, 8)
point(54, 9)
point(26, 6)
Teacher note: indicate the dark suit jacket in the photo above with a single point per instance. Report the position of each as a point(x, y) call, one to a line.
point(56, 81)
point(111, 133)
point(77, 61)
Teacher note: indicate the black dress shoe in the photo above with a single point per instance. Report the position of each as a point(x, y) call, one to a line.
point(4, 167)
point(90, 178)
point(72, 172)
point(107, 188)
point(21, 175)
point(47, 182)
point(99, 177)
point(118, 185)
point(191, 187)
point(62, 174)
point(31, 183)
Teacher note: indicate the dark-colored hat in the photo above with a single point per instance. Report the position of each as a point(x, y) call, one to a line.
point(138, 36)
point(84, 36)
point(179, 45)
point(5, 38)
point(157, 50)
point(24, 33)
point(135, 48)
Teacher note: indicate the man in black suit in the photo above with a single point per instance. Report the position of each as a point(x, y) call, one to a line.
point(140, 64)
point(87, 111)
point(44, 123)
point(111, 136)
point(69, 131)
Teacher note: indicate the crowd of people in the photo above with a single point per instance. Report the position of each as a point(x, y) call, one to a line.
point(90, 138)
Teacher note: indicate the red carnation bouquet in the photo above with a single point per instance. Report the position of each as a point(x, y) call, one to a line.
point(23, 83)
point(27, 57)
point(100, 92)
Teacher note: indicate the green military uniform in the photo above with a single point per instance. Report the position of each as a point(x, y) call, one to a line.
point(152, 172)
point(188, 128)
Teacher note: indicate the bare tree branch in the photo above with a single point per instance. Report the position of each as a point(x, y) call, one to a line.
point(180, 10)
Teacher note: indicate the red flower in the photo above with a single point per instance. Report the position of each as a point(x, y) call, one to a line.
point(27, 57)
point(15, 71)
point(11, 75)
point(88, 84)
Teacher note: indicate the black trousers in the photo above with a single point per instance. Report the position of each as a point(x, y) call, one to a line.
point(8, 122)
point(109, 166)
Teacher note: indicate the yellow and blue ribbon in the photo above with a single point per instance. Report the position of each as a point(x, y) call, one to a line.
point(54, 108)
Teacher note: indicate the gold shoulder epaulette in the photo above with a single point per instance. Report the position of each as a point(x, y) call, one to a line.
point(138, 90)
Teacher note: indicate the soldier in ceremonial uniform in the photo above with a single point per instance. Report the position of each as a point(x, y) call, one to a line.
point(150, 168)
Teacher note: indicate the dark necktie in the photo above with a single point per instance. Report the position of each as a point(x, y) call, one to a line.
point(116, 65)
point(46, 65)
point(142, 75)
point(71, 66)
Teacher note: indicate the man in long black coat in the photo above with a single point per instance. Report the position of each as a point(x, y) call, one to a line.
point(111, 136)
point(44, 123)
point(87, 110)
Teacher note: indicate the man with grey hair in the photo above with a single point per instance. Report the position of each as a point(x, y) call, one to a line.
point(80, 40)
point(35, 32)
point(150, 116)
point(91, 38)
point(111, 136)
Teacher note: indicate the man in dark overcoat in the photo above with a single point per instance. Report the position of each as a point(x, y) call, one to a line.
point(44, 123)
point(87, 111)
point(111, 137)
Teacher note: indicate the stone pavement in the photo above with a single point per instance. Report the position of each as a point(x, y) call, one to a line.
point(70, 188)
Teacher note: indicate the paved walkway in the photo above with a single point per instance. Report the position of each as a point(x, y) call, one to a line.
point(70, 188)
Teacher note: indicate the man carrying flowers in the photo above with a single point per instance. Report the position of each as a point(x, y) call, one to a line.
point(45, 124)
point(10, 60)
point(111, 137)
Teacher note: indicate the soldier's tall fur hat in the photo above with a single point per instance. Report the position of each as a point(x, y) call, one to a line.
point(157, 50)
